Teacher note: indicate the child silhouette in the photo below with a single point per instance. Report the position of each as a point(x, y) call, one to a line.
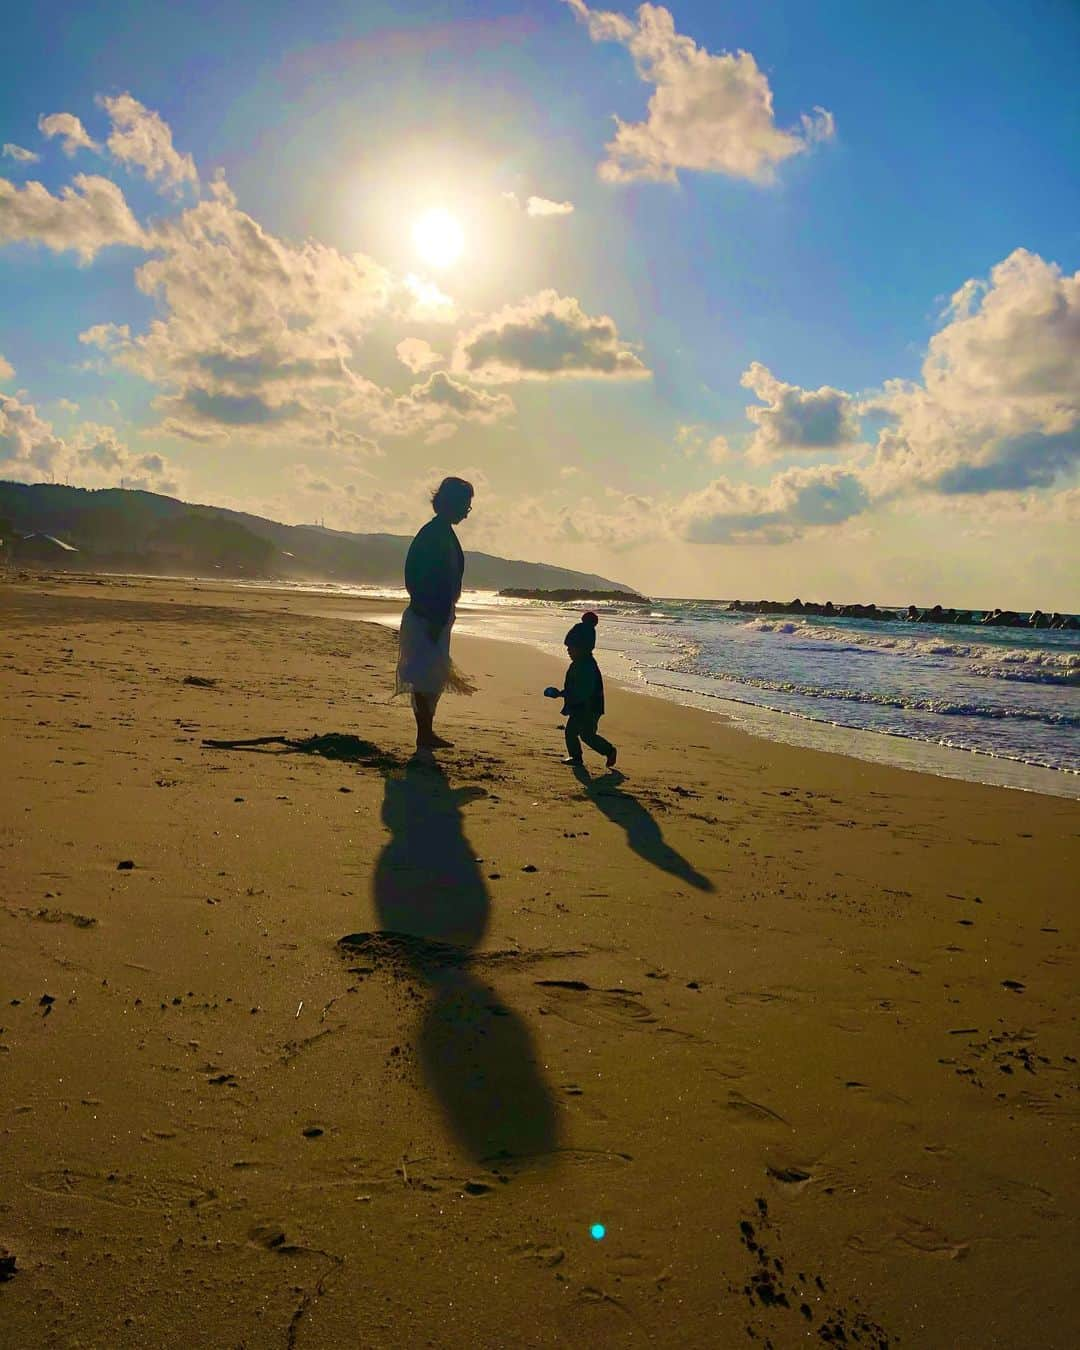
point(583, 694)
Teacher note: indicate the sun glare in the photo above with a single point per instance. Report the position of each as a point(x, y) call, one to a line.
point(438, 237)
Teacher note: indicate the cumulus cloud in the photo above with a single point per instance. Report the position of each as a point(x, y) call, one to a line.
point(541, 206)
point(998, 407)
point(709, 113)
point(547, 336)
point(727, 512)
point(85, 218)
point(441, 390)
point(619, 521)
point(18, 154)
point(140, 138)
point(417, 354)
point(439, 405)
point(7, 370)
point(257, 339)
point(28, 448)
point(93, 456)
point(694, 441)
point(538, 207)
point(419, 300)
point(253, 331)
point(73, 135)
point(795, 419)
point(107, 336)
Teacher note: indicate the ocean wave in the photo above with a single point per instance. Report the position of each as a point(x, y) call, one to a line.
point(1032, 665)
point(942, 706)
point(1032, 760)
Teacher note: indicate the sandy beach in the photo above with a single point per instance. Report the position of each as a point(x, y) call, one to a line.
point(799, 1031)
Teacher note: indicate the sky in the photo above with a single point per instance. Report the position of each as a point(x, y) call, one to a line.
point(733, 300)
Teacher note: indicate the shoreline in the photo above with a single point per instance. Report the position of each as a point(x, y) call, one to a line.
point(801, 730)
point(787, 727)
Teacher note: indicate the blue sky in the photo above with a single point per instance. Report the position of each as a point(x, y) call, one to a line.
point(727, 255)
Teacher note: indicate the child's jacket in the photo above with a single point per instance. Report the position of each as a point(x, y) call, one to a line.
point(583, 693)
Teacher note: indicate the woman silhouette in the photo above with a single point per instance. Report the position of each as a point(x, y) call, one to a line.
point(434, 569)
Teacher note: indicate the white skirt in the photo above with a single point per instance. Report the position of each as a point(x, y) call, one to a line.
point(424, 666)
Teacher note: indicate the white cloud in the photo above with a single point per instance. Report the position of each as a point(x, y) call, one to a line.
point(257, 339)
point(85, 218)
point(440, 404)
point(253, 332)
point(795, 419)
point(141, 138)
point(73, 134)
point(796, 500)
point(693, 441)
point(998, 408)
point(541, 206)
point(547, 336)
point(93, 456)
point(7, 370)
point(18, 154)
point(619, 521)
point(107, 336)
point(421, 301)
point(417, 354)
point(538, 207)
point(709, 113)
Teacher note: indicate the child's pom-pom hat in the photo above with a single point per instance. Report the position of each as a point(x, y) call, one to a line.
point(583, 634)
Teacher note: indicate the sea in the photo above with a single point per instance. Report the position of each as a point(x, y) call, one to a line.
point(991, 705)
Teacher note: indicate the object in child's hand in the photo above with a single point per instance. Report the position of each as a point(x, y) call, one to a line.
point(551, 692)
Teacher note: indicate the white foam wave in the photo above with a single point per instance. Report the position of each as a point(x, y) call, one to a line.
point(1034, 664)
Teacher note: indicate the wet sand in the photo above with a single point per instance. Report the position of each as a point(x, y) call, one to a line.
point(798, 1030)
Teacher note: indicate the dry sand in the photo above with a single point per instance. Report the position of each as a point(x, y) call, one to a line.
point(798, 1030)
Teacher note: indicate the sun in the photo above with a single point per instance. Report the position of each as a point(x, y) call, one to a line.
point(438, 237)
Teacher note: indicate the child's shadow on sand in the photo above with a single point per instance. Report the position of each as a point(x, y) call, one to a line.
point(433, 909)
point(643, 834)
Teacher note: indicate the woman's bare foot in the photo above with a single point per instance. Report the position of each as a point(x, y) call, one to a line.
point(434, 742)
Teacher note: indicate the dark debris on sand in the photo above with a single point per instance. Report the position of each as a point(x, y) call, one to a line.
point(768, 1288)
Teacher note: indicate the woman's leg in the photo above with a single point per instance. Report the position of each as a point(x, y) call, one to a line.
point(424, 706)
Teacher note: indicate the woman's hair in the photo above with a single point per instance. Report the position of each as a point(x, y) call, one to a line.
point(590, 618)
point(451, 492)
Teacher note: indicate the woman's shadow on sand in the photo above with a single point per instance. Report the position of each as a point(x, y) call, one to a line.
point(433, 910)
point(643, 834)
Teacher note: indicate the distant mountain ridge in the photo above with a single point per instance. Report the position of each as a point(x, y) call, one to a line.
point(123, 529)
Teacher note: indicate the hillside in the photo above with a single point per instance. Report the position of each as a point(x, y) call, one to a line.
point(116, 529)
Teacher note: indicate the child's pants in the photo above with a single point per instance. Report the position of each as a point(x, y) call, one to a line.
point(580, 728)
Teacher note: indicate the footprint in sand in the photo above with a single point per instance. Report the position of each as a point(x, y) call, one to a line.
point(738, 997)
point(923, 1237)
point(593, 1160)
point(154, 1195)
point(910, 1235)
point(542, 1253)
point(880, 1096)
point(575, 1001)
point(795, 1179)
point(57, 916)
point(744, 1109)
